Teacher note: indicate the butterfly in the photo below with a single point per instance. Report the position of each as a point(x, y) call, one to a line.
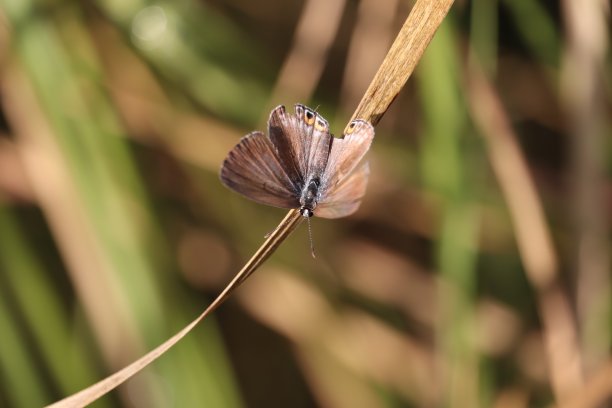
point(300, 164)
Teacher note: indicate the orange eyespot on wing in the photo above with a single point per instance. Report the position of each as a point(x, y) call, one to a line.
point(309, 116)
point(351, 127)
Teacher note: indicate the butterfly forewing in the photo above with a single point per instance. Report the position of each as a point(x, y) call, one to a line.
point(316, 140)
point(302, 141)
point(253, 169)
point(286, 136)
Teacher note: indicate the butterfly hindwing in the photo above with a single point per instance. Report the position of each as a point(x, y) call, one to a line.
point(285, 135)
point(345, 197)
point(347, 152)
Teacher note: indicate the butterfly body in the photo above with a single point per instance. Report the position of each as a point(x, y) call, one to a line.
point(299, 164)
point(310, 197)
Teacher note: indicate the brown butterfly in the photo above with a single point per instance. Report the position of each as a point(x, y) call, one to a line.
point(299, 164)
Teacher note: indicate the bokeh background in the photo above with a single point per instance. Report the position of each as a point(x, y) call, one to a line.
point(476, 272)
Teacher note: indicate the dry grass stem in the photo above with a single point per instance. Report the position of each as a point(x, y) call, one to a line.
point(92, 393)
point(315, 33)
point(406, 51)
point(373, 29)
point(56, 194)
point(532, 234)
point(401, 60)
point(583, 79)
point(595, 392)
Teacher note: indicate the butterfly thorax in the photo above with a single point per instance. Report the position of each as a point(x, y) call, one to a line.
point(310, 196)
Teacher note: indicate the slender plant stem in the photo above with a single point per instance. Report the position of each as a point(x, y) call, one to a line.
point(402, 58)
point(407, 49)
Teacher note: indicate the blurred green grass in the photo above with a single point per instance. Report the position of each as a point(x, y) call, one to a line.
point(115, 231)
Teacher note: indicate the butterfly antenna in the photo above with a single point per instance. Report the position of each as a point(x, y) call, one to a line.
point(312, 250)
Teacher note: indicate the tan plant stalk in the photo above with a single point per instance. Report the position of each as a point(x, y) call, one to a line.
point(407, 49)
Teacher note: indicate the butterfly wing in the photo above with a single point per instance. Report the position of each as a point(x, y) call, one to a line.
point(345, 197)
point(317, 139)
point(347, 152)
point(344, 187)
point(253, 169)
point(281, 125)
point(302, 141)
